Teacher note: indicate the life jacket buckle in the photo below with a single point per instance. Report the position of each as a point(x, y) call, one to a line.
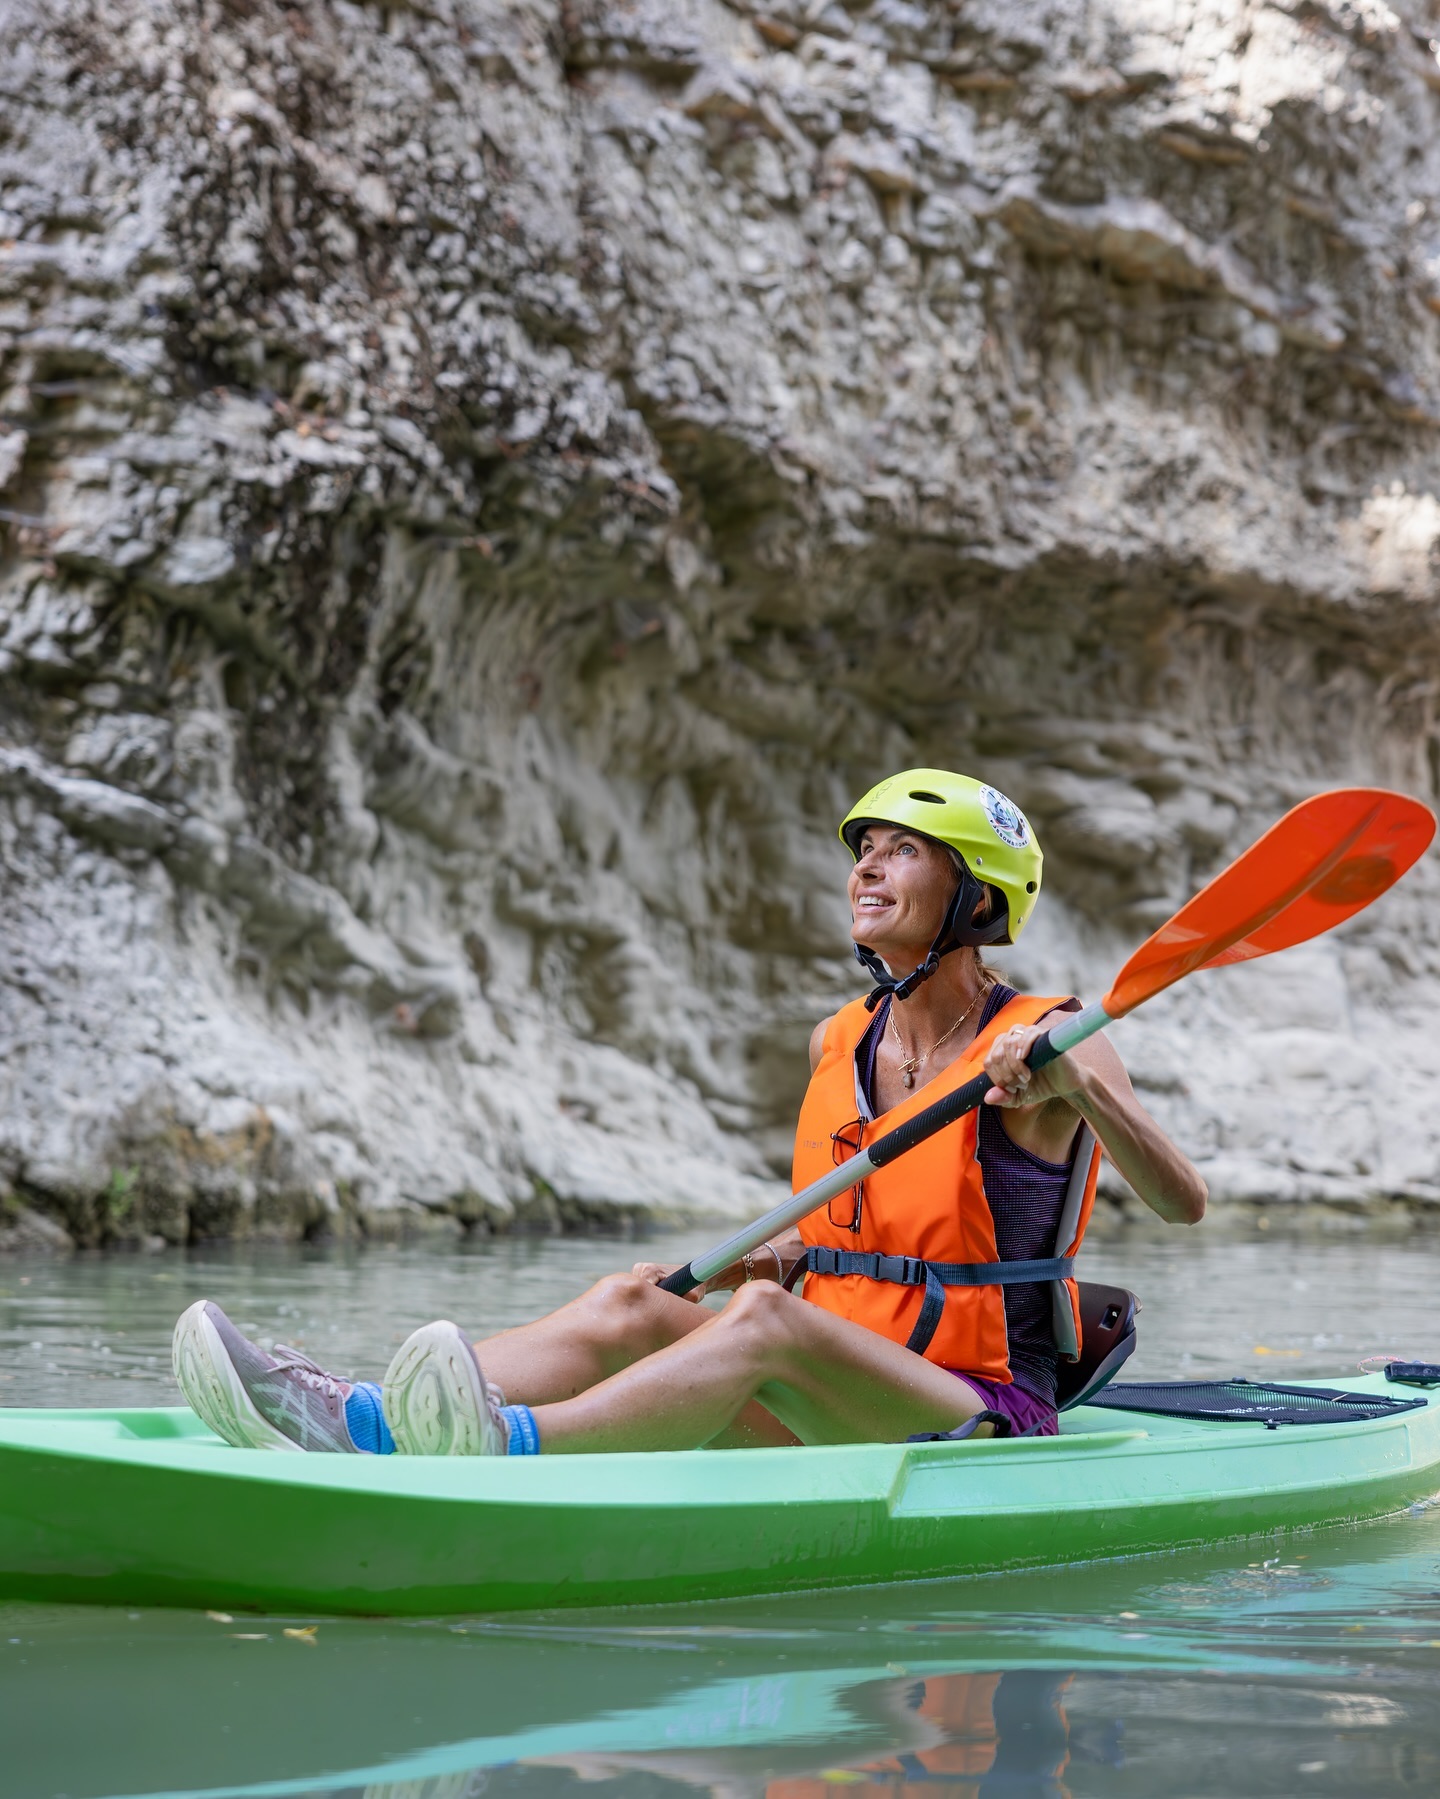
point(902, 1271)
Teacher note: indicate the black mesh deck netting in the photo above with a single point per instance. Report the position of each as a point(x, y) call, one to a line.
point(1245, 1401)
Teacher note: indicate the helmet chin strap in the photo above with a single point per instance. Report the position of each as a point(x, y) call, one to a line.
point(957, 931)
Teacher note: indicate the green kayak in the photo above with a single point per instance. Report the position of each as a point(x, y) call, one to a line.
point(145, 1507)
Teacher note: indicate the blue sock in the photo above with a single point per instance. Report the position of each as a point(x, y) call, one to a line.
point(524, 1432)
point(365, 1420)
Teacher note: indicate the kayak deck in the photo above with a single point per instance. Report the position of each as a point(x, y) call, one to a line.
point(145, 1507)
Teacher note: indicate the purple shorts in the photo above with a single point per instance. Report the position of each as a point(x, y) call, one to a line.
point(1023, 1409)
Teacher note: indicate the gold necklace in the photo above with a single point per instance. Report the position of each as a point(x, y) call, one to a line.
point(909, 1069)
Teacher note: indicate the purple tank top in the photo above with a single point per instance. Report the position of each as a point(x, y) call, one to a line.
point(1025, 1195)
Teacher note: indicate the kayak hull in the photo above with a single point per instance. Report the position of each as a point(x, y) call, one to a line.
point(145, 1507)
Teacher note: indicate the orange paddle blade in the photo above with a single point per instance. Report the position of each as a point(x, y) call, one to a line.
point(1323, 862)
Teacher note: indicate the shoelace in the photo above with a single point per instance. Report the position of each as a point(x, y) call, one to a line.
point(297, 1362)
point(284, 1356)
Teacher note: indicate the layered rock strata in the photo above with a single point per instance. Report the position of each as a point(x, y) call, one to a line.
point(483, 485)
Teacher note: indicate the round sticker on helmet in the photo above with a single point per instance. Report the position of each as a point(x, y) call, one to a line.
point(1007, 821)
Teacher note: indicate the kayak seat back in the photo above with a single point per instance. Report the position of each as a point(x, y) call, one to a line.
point(1107, 1317)
point(1072, 1210)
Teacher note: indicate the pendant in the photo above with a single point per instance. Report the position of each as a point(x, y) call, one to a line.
point(908, 1076)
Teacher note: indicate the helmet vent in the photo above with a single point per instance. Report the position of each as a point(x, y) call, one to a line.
point(931, 799)
point(1029, 886)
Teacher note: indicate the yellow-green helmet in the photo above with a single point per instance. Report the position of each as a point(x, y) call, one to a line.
point(990, 834)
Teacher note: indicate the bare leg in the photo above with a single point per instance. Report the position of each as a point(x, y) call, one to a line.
point(621, 1319)
point(826, 1381)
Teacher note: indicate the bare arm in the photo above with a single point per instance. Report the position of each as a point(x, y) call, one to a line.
point(1091, 1081)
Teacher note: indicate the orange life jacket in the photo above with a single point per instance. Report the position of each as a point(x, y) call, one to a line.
point(956, 1709)
point(926, 1235)
point(966, 1712)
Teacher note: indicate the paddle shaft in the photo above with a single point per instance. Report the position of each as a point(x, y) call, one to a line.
point(1047, 1047)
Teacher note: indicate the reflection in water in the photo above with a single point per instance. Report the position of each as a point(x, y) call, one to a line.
point(982, 1734)
point(976, 1734)
point(1312, 1669)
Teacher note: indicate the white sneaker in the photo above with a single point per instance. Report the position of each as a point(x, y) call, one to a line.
point(251, 1398)
point(436, 1399)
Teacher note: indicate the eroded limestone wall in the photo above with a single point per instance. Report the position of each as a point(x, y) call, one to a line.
point(483, 485)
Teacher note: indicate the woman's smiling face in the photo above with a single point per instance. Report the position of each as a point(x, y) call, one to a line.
point(899, 890)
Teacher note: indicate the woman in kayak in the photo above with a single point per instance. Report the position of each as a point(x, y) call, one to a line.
point(907, 1320)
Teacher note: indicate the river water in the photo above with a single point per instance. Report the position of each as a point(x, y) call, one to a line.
point(1308, 1665)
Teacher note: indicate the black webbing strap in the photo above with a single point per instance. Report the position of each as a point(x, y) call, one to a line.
point(934, 1277)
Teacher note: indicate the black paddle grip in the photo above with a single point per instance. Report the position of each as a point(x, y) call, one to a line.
point(683, 1281)
point(1042, 1052)
point(925, 1124)
point(945, 1111)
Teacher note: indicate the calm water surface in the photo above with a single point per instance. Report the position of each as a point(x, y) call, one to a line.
point(1309, 1665)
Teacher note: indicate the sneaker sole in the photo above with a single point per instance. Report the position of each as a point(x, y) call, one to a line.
point(212, 1386)
point(435, 1398)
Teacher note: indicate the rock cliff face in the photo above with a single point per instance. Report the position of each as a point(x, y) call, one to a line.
point(484, 484)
